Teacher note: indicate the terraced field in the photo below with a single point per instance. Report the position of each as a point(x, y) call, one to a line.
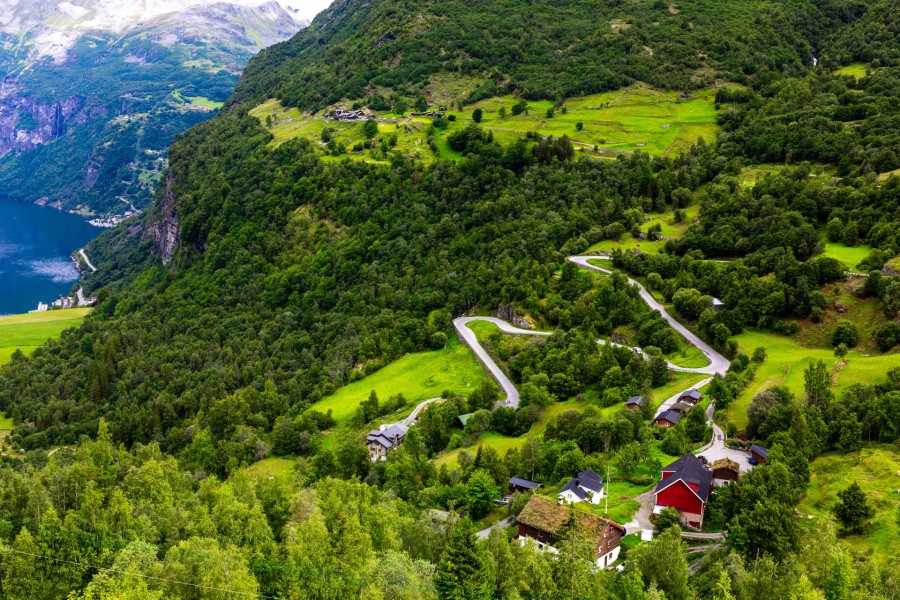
point(637, 118)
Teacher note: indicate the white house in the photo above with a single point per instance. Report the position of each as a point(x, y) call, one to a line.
point(587, 485)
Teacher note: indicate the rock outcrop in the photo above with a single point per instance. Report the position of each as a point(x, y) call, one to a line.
point(508, 313)
point(162, 228)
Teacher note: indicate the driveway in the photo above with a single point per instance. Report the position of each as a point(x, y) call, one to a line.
point(719, 450)
point(484, 533)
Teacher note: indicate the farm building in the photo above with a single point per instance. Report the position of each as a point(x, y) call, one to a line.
point(670, 418)
point(717, 304)
point(587, 485)
point(725, 471)
point(380, 441)
point(545, 521)
point(517, 484)
point(636, 403)
point(685, 486)
point(759, 453)
point(692, 396)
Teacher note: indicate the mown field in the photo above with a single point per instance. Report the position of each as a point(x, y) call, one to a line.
point(877, 471)
point(637, 118)
point(417, 376)
point(29, 331)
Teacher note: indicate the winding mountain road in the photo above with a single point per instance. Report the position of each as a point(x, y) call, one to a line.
point(717, 362)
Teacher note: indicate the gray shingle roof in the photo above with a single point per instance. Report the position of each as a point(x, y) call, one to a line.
point(672, 416)
point(689, 469)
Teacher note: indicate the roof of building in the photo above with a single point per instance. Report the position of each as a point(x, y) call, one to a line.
point(672, 416)
point(524, 483)
point(386, 436)
point(692, 393)
point(546, 515)
point(583, 482)
point(717, 302)
point(761, 450)
point(726, 463)
point(682, 407)
point(638, 400)
point(689, 469)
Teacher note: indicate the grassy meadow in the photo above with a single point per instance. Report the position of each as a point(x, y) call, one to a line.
point(849, 256)
point(877, 471)
point(29, 331)
point(786, 361)
point(417, 376)
point(637, 118)
point(857, 70)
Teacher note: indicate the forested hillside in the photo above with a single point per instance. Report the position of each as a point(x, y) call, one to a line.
point(181, 427)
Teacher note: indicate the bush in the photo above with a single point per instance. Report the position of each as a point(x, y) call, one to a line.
point(887, 336)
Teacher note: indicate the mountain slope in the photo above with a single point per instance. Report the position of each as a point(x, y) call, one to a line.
point(587, 47)
point(86, 114)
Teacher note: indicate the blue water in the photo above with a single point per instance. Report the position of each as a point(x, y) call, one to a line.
point(35, 245)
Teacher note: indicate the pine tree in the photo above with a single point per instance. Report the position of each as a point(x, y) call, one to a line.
point(461, 574)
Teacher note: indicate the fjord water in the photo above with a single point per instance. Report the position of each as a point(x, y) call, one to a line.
point(36, 243)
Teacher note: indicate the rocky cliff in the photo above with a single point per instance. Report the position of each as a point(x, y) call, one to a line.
point(162, 227)
point(95, 91)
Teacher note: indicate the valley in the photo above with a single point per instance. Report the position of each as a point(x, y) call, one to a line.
point(466, 300)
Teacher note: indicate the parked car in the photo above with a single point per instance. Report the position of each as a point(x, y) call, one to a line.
point(752, 461)
point(504, 501)
point(620, 567)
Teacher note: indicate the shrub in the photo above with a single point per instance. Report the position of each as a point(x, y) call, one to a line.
point(844, 333)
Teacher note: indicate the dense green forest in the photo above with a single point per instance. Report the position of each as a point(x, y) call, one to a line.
point(147, 434)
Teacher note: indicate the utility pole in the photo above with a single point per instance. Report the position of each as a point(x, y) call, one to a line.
point(606, 511)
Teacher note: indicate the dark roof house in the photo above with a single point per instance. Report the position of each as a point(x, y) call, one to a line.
point(636, 402)
point(760, 453)
point(379, 441)
point(586, 485)
point(670, 418)
point(685, 486)
point(692, 396)
point(517, 484)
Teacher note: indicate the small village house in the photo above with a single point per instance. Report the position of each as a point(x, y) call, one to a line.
point(669, 418)
point(586, 485)
point(636, 403)
point(380, 441)
point(547, 522)
point(759, 453)
point(692, 396)
point(685, 486)
point(517, 484)
point(682, 407)
point(717, 304)
point(725, 472)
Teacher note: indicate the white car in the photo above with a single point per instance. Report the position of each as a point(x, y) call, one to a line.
point(620, 568)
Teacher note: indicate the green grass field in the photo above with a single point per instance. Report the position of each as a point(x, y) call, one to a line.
point(418, 377)
point(637, 118)
point(272, 467)
point(857, 70)
point(29, 331)
point(877, 471)
point(850, 256)
point(787, 360)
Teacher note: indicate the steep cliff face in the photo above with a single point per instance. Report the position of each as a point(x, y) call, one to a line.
point(25, 124)
point(162, 228)
point(93, 92)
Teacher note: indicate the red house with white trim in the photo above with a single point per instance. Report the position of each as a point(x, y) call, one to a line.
point(685, 486)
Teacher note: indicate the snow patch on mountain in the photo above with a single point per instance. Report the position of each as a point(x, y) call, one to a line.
point(53, 27)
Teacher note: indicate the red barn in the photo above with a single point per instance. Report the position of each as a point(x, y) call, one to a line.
point(685, 486)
